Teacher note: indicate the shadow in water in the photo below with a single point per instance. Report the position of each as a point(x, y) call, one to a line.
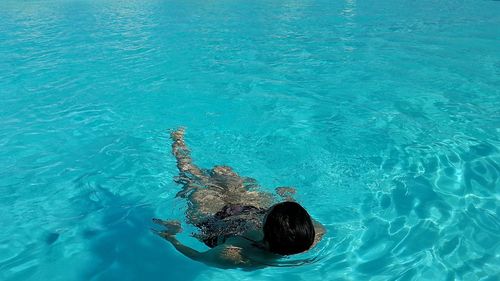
point(122, 248)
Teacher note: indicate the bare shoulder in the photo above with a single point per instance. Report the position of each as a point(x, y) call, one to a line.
point(233, 253)
point(229, 256)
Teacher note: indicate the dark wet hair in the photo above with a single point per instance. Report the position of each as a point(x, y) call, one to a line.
point(288, 229)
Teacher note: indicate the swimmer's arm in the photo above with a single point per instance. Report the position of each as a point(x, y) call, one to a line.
point(185, 250)
point(222, 256)
point(171, 228)
point(183, 155)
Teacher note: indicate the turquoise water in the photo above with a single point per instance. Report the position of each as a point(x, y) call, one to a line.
point(384, 115)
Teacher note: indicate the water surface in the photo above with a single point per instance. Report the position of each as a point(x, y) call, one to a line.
point(384, 115)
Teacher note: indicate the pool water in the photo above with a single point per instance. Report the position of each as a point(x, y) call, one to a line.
point(383, 114)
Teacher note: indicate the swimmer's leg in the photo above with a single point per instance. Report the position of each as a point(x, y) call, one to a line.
point(220, 190)
point(226, 180)
point(240, 190)
point(182, 154)
point(203, 203)
point(188, 171)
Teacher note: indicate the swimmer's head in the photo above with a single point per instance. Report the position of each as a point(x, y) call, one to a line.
point(288, 229)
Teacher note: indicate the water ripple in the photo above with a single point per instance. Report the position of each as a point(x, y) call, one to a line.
point(383, 115)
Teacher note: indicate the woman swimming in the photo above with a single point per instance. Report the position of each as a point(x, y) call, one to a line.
point(237, 221)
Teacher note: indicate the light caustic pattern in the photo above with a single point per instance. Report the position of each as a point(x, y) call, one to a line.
point(383, 114)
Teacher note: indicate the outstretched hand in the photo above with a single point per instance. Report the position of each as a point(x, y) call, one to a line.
point(172, 227)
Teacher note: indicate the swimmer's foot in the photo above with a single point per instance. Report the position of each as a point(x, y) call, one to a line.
point(178, 134)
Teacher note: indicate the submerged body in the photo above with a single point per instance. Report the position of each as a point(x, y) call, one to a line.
point(231, 213)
